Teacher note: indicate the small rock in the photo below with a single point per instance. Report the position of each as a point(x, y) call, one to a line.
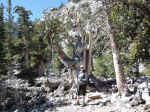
point(35, 110)
point(17, 110)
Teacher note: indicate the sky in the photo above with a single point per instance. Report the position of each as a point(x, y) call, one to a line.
point(36, 6)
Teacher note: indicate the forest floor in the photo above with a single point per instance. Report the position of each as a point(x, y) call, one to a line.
point(98, 108)
point(88, 108)
point(17, 95)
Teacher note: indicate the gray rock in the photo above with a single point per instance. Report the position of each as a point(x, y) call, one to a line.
point(137, 99)
point(146, 96)
point(147, 108)
point(114, 97)
point(19, 110)
point(35, 110)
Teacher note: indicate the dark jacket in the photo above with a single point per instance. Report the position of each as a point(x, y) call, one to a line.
point(82, 78)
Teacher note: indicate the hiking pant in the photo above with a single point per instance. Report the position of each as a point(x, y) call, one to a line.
point(81, 90)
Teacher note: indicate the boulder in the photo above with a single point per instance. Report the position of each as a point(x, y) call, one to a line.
point(147, 108)
point(137, 99)
point(94, 98)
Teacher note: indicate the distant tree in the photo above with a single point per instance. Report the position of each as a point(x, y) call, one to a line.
point(9, 30)
point(75, 1)
point(61, 5)
point(46, 36)
point(53, 29)
point(25, 29)
point(39, 47)
point(9, 25)
point(2, 41)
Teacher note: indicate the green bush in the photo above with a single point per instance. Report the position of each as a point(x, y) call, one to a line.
point(103, 67)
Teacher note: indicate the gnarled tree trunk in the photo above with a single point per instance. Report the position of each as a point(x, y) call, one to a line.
point(74, 66)
point(120, 78)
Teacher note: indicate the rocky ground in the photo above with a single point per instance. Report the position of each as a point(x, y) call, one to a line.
point(42, 95)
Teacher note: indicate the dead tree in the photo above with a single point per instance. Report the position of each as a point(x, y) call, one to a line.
point(82, 54)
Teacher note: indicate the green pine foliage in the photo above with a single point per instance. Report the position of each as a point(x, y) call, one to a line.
point(130, 20)
point(56, 64)
point(45, 35)
point(61, 5)
point(25, 29)
point(33, 43)
point(103, 67)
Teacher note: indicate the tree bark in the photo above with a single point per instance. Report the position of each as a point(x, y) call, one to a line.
point(120, 78)
point(137, 68)
point(26, 57)
point(9, 35)
point(27, 51)
point(41, 67)
point(90, 53)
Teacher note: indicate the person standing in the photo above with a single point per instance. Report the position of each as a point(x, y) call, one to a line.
point(82, 81)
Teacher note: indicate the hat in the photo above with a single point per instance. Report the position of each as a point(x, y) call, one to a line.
point(81, 66)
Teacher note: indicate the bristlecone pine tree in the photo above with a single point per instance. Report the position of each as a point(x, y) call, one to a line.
point(120, 78)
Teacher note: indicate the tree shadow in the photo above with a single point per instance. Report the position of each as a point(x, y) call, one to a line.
point(29, 75)
point(100, 85)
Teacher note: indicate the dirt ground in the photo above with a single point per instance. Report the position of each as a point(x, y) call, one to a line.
point(88, 108)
